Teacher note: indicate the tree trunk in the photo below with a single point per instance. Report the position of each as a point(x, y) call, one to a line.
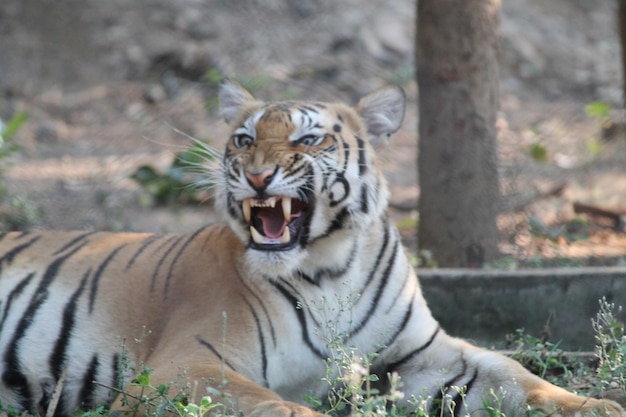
point(457, 75)
point(621, 18)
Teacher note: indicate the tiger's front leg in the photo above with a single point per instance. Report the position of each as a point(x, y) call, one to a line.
point(454, 377)
point(236, 394)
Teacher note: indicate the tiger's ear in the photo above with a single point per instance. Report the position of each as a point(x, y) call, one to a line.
point(382, 111)
point(233, 99)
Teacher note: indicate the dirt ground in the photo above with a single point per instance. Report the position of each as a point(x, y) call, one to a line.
point(109, 86)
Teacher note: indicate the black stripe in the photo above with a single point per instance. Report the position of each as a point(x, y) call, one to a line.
point(17, 382)
point(14, 377)
point(311, 109)
point(331, 273)
point(293, 172)
point(146, 243)
point(13, 294)
point(384, 278)
point(399, 330)
point(88, 390)
point(72, 243)
point(386, 273)
point(379, 258)
point(155, 274)
point(207, 240)
point(215, 352)
point(230, 206)
point(373, 270)
point(21, 234)
point(337, 223)
point(166, 239)
point(457, 398)
point(96, 277)
point(394, 366)
point(10, 255)
point(178, 254)
point(261, 342)
point(258, 298)
point(346, 153)
point(407, 276)
point(439, 408)
point(117, 380)
point(362, 163)
point(346, 186)
point(364, 200)
point(313, 281)
point(58, 357)
point(301, 318)
point(3, 235)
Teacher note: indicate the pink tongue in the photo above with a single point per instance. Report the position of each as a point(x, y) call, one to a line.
point(273, 223)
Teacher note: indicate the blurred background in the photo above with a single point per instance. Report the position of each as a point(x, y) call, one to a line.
point(97, 99)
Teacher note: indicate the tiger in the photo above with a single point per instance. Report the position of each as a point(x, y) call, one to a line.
point(247, 308)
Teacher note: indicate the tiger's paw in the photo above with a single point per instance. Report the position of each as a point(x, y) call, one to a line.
point(570, 405)
point(594, 407)
point(282, 409)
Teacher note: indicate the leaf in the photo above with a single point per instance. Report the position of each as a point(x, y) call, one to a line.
point(594, 146)
point(192, 156)
point(145, 174)
point(538, 152)
point(13, 125)
point(598, 109)
point(214, 76)
point(143, 379)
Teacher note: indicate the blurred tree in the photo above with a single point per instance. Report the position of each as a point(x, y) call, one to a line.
point(621, 18)
point(457, 75)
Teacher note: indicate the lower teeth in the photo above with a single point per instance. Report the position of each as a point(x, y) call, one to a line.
point(259, 238)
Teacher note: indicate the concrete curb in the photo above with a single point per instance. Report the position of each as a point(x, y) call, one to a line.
point(486, 305)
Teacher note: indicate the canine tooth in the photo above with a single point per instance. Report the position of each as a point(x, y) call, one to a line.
point(256, 236)
point(286, 237)
point(245, 206)
point(286, 202)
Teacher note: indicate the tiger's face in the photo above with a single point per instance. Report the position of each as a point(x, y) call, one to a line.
point(299, 176)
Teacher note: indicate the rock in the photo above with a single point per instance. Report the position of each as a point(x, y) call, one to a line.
point(154, 93)
point(47, 133)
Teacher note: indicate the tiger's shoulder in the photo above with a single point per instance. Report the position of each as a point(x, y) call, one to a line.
point(100, 249)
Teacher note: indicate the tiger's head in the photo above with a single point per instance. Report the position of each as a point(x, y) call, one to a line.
point(300, 177)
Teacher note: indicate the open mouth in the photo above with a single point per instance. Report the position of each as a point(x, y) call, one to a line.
point(276, 223)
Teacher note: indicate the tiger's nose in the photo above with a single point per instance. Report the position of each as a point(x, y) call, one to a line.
point(260, 180)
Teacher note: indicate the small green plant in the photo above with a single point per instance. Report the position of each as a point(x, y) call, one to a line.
point(176, 186)
point(610, 346)
point(175, 398)
point(541, 357)
point(154, 401)
point(204, 407)
point(608, 127)
point(494, 403)
point(214, 76)
point(538, 152)
point(352, 388)
point(16, 213)
point(7, 131)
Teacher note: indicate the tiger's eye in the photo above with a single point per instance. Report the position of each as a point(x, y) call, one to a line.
point(308, 140)
point(242, 140)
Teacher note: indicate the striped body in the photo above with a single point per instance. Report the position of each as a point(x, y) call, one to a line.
point(78, 300)
point(255, 306)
